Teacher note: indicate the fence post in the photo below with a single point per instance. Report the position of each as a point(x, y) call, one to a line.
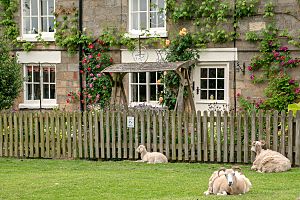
point(219, 156)
point(275, 130)
point(173, 119)
point(290, 135)
point(246, 138)
point(282, 139)
point(297, 142)
point(205, 152)
point(199, 138)
point(225, 135)
point(253, 132)
point(232, 153)
point(167, 134)
point(239, 138)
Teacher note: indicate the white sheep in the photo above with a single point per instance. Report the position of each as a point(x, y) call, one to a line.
point(228, 182)
point(268, 160)
point(151, 157)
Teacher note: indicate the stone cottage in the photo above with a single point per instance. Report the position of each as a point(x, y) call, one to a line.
point(220, 75)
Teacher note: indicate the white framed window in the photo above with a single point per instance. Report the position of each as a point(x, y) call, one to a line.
point(147, 18)
point(38, 18)
point(39, 86)
point(211, 84)
point(145, 87)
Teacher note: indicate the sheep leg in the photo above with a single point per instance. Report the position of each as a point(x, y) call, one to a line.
point(222, 193)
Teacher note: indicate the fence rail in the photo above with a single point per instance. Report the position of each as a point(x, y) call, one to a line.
point(198, 137)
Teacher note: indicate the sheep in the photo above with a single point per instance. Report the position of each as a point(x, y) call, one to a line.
point(151, 157)
point(268, 160)
point(228, 182)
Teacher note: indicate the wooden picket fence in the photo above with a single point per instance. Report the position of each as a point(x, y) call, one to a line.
point(192, 137)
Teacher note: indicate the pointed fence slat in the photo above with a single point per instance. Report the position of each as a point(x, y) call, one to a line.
point(205, 148)
point(218, 124)
point(225, 135)
point(290, 136)
point(212, 136)
point(199, 138)
point(16, 136)
point(260, 124)
point(193, 149)
point(11, 136)
point(297, 142)
point(219, 137)
point(275, 130)
point(167, 133)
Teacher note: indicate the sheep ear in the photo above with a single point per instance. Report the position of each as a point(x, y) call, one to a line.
point(263, 143)
point(236, 168)
point(221, 169)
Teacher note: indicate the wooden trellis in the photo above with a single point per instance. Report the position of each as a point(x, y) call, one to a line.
point(118, 71)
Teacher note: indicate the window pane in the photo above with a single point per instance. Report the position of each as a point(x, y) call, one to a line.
point(34, 29)
point(142, 77)
point(44, 24)
point(134, 5)
point(51, 24)
point(52, 75)
point(46, 75)
point(34, 7)
point(160, 89)
point(46, 91)
point(142, 93)
point(29, 73)
point(37, 91)
point(143, 21)
point(153, 77)
point(134, 21)
point(220, 73)
point(220, 94)
point(212, 84)
point(52, 91)
point(153, 94)
point(26, 25)
point(203, 84)
point(134, 77)
point(36, 74)
point(204, 73)
point(212, 73)
point(143, 5)
point(153, 20)
point(134, 93)
point(29, 91)
point(44, 7)
point(50, 7)
point(161, 4)
point(203, 94)
point(26, 8)
point(220, 84)
point(161, 20)
point(212, 94)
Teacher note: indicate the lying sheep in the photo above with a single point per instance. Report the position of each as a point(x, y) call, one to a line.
point(228, 182)
point(151, 157)
point(268, 160)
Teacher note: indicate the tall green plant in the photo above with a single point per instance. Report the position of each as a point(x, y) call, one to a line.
point(11, 77)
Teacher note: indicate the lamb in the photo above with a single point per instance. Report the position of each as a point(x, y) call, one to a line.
point(228, 182)
point(151, 157)
point(268, 160)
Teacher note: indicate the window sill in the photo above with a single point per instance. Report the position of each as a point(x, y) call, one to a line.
point(37, 106)
point(144, 34)
point(33, 38)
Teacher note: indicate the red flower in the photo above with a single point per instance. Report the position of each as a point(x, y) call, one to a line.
point(68, 100)
point(89, 69)
point(91, 46)
point(81, 71)
point(111, 60)
point(249, 68)
point(99, 54)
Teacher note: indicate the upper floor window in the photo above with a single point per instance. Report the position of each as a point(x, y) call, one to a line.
point(147, 15)
point(38, 18)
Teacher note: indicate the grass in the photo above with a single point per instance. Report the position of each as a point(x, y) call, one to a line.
point(80, 179)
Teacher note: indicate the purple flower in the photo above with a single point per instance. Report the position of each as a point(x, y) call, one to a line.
point(252, 76)
point(292, 81)
point(250, 68)
point(297, 90)
point(291, 61)
point(283, 48)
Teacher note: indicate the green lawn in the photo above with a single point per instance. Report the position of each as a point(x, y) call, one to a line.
point(79, 179)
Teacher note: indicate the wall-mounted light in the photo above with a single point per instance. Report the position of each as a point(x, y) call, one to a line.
point(239, 68)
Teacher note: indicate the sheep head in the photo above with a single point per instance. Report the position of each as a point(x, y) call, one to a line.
point(257, 146)
point(229, 174)
point(141, 149)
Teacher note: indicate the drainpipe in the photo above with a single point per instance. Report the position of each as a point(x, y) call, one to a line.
point(80, 53)
point(234, 62)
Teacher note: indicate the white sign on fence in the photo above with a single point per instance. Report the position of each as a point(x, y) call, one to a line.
point(130, 122)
